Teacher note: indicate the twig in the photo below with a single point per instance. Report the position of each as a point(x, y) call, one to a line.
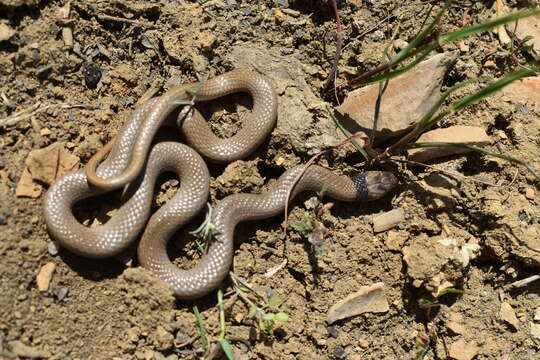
point(34, 109)
point(524, 282)
point(337, 56)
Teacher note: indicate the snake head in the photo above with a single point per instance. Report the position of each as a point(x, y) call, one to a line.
point(373, 185)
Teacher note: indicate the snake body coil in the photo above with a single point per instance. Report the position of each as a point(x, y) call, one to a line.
point(129, 164)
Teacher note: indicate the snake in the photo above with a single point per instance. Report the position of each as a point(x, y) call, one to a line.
point(132, 161)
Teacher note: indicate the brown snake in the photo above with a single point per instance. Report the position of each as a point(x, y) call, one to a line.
point(129, 164)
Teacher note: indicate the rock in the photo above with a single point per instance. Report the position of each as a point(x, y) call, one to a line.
point(92, 76)
point(523, 91)
point(26, 187)
point(508, 314)
point(535, 331)
point(52, 248)
point(388, 220)
point(436, 263)
point(400, 44)
point(161, 338)
point(45, 165)
point(303, 122)
point(456, 323)
point(50, 163)
point(467, 251)
point(206, 40)
point(396, 239)
point(6, 32)
point(461, 350)
point(463, 47)
point(367, 299)
point(25, 351)
point(529, 193)
point(537, 314)
point(470, 135)
point(413, 93)
point(490, 64)
point(43, 278)
point(529, 26)
point(239, 176)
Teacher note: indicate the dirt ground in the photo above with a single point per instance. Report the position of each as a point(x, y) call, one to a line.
point(103, 309)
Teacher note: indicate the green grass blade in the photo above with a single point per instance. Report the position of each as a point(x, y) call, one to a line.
point(445, 38)
point(202, 330)
point(427, 120)
point(348, 134)
point(221, 315)
point(492, 88)
point(227, 348)
point(399, 71)
point(488, 25)
point(403, 54)
point(477, 149)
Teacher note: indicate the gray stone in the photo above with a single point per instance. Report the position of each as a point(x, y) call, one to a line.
point(406, 100)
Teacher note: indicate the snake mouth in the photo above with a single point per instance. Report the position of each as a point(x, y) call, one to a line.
point(379, 183)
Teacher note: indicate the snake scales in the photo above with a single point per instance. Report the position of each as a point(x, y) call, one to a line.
point(135, 163)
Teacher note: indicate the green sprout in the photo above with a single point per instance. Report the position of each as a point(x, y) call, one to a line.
point(266, 314)
point(207, 230)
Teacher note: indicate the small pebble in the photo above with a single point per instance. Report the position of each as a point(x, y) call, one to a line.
point(61, 293)
point(387, 220)
point(52, 248)
point(3, 220)
point(524, 109)
point(508, 315)
point(340, 353)
point(400, 44)
point(367, 299)
point(332, 331)
point(92, 76)
point(529, 193)
point(287, 51)
point(463, 47)
point(43, 278)
point(44, 71)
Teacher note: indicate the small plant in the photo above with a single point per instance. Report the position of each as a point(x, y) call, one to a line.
point(428, 303)
point(222, 340)
point(311, 227)
point(265, 313)
point(206, 231)
point(225, 345)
